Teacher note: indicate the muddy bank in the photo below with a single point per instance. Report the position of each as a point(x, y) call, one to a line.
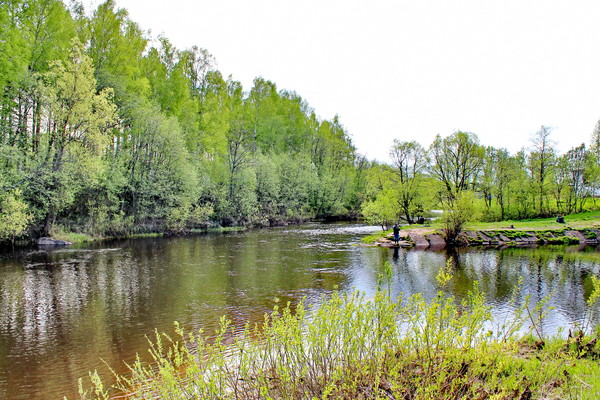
point(427, 238)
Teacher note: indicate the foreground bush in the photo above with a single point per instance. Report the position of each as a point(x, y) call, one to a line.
point(350, 347)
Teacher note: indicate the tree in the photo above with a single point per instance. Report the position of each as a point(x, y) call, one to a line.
point(456, 161)
point(461, 211)
point(595, 144)
point(50, 30)
point(219, 100)
point(383, 210)
point(13, 58)
point(241, 145)
point(79, 115)
point(576, 162)
point(541, 163)
point(80, 119)
point(410, 161)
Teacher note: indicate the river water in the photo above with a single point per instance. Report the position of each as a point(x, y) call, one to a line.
point(65, 312)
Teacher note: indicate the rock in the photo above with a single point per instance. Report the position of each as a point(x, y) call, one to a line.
point(419, 240)
point(436, 241)
point(46, 241)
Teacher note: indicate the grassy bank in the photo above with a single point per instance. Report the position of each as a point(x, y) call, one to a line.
point(510, 228)
point(75, 238)
point(576, 221)
point(351, 347)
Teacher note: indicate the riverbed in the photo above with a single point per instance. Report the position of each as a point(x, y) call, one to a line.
point(67, 311)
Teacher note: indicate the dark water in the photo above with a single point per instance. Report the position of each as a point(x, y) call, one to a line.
point(66, 312)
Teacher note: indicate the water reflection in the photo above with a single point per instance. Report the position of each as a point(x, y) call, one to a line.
point(554, 273)
point(63, 312)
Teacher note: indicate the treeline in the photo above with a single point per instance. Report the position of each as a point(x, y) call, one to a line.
point(105, 131)
point(474, 182)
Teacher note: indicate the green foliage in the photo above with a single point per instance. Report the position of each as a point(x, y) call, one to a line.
point(533, 184)
point(14, 216)
point(128, 135)
point(456, 161)
point(353, 347)
point(461, 211)
point(383, 211)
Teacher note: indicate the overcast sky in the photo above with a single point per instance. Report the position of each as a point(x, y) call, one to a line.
point(408, 69)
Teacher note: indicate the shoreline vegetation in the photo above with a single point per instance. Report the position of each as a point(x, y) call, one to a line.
point(78, 238)
point(353, 347)
point(61, 235)
point(582, 229)
point(578, 229)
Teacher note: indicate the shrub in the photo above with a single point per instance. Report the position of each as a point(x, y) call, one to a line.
point(358, 348)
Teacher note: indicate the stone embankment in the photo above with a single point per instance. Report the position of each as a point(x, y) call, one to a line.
point(426, 238)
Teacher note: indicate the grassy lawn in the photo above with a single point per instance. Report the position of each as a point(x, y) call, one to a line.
point(576, 221)
point(582, 220)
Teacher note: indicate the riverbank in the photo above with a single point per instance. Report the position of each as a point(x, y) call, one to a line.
point(580, 229)
point(62, 236)
point(67, 238)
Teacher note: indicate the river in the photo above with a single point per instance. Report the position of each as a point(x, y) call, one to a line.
point(65, 312)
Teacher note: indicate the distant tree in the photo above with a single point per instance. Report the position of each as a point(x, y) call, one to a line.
point(563, 194)
point(456, 161)
point(542, 159)
point(595, 144)
point(410, 162)
point(498, 170)
point(241, 147)
point(521, 188)
point(383, 210)
point(576, 161)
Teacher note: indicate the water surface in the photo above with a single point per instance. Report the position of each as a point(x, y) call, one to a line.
point(67, 311)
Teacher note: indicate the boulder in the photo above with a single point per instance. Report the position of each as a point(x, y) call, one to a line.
point(46, 241)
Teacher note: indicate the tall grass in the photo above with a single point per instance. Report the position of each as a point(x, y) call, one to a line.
point(352, 347)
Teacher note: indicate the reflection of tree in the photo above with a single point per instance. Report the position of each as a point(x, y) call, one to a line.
point(102, 303)
point(452, 254)
point(545, 272)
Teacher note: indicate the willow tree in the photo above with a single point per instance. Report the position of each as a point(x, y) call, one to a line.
point(456, 161)
point(541, 162)
point(410, 162)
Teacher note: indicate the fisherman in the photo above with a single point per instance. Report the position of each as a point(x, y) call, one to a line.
point(396, 233)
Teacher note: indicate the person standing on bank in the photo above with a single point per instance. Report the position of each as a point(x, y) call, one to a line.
point(396, 233)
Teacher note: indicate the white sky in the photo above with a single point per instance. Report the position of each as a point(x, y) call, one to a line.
point(408, 69)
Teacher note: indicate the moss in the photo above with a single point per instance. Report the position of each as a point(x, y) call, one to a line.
point(514, 234)
point(375, 237)
point(474, 241)
point(562, 240)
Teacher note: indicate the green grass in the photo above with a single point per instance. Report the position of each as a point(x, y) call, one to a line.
point(578, 221)
point(587, 373)
point(582, 221)
point(58, 232)
point(351, 347)
point(376, 236)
